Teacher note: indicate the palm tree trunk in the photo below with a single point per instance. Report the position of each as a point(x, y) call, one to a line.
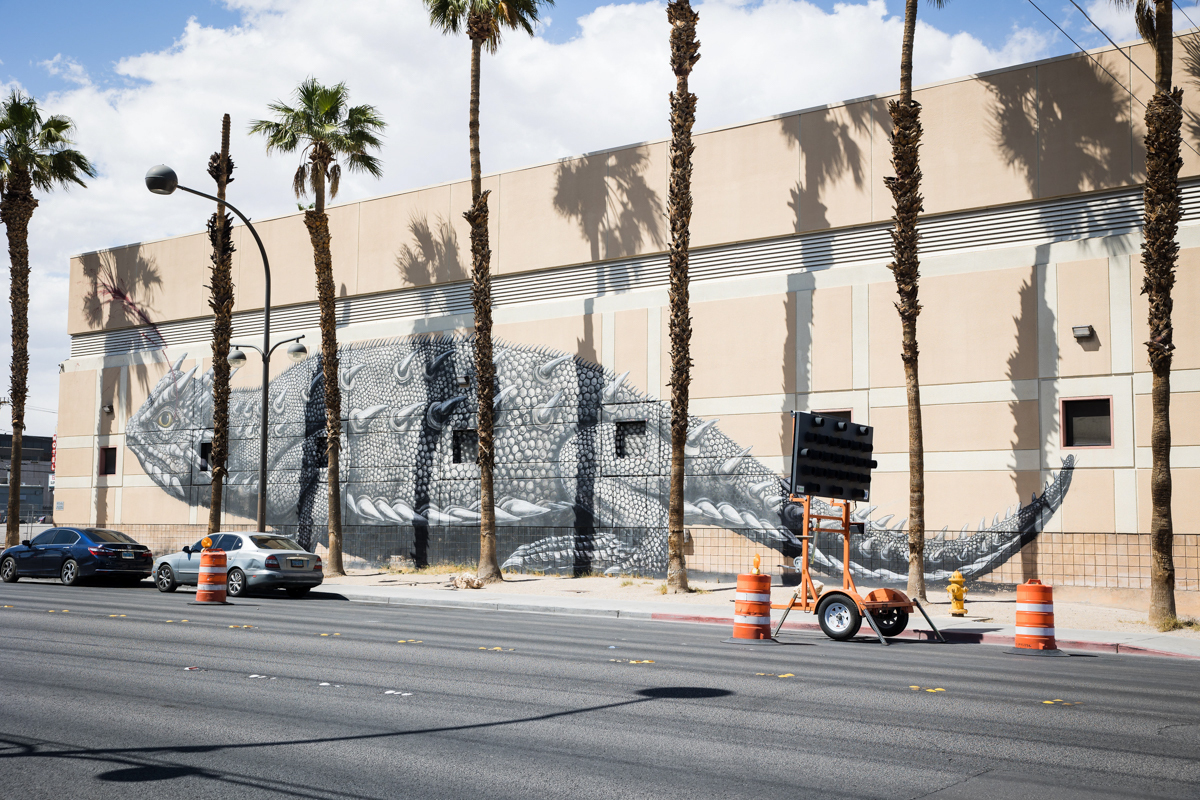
point(906, 194)
point(1159, 254)
point(16, 209)
point(318, 232)
point(488, 570)
point(220, 234)
point(685, 52)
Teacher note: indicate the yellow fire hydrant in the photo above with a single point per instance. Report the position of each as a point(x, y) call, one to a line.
point(958, 594)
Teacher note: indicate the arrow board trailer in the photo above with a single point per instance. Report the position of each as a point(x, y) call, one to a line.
point(832, 458)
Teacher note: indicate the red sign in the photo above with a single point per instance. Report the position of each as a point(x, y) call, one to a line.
point(53, 450)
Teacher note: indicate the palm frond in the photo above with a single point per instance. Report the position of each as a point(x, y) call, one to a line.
point(300, 179)
point(40, 147)
point(335, 179)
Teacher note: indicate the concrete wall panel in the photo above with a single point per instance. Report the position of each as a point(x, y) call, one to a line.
point(741, 347)
point(836, 181)
point(832, 339)
point(980, 142)
point(408, 240)
point(1185, 500)
point(1083, 300)
point(1089, 505)
point(1186, 295)
point(77, 403)
point(744, 182)
point(579, 335)
point(630, 346)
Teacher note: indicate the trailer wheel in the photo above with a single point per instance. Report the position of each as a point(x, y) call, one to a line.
point(891, 621)
point(839, 617)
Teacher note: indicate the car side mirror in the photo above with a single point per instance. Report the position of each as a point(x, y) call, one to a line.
point(187, 548)
point(25, 543)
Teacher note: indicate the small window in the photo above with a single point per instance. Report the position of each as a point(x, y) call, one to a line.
point(1087, 422)
point(631, 439)
point(466, 447)
point(205, 455)
point(108, 461)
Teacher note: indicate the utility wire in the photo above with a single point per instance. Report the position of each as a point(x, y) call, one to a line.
point(1105, 69)
point(1185, 14)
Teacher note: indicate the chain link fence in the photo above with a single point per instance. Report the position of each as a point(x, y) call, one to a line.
point(1101, 560)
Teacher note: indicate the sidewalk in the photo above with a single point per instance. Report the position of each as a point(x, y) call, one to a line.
point(638, 598)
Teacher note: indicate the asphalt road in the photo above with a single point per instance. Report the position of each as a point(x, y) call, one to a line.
point(318, 698)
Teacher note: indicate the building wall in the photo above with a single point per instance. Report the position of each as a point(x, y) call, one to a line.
point(997, 353)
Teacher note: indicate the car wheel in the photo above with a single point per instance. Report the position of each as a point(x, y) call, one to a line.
point(164, 579)
point(891, 621)
point(8, 571)
point(235, 584)
point(69, 574)
point(298, 591)
point(839, 617)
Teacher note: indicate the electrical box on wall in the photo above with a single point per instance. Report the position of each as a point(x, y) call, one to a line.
point(831, 457)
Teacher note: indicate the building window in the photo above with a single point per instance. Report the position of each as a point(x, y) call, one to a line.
point(108, 461)
point(205, 455)
point(631, 439)
point(466, 447)
point(1087, 422)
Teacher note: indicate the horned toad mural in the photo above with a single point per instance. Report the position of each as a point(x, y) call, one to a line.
point(579, 452)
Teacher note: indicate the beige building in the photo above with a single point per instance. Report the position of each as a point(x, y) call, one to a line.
point(1031, 334)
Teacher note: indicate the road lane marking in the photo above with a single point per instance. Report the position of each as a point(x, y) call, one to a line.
point(501, 649)
point(410, 641)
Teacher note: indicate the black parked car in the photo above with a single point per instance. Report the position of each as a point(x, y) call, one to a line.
point(75, 553)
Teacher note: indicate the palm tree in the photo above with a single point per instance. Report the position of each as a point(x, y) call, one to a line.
point(483, 21)
point(220, 234)
point(1161, 209)
point(35, 153)
point(324, 127)
point(685, 52)
point(906, 267)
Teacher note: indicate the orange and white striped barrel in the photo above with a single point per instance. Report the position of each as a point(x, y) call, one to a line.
point(1035, 616)
point(211, 587)
point(752, 607)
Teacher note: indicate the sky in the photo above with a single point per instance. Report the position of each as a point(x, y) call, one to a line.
point(146, 82)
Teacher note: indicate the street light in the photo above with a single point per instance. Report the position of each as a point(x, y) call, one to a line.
point(163, 180)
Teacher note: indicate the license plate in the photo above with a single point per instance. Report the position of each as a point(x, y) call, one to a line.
point(127, 554)
point(298, 562)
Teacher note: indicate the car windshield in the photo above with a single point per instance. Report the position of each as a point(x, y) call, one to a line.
point(274, 543)
point(102, 535)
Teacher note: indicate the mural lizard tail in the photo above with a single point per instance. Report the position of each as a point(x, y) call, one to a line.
point(577, 449)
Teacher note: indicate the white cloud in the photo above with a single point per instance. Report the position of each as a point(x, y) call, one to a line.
point(68, 69)
point(605, 87)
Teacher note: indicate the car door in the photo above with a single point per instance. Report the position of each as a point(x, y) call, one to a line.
point(235, 554)
point(188, 570)
point(31, 559)
point(60, 550)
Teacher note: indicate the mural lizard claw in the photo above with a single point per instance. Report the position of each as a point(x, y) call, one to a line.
point(579, 453)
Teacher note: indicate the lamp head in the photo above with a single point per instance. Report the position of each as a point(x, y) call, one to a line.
point(297, 352)
point(161, 179)
point(236, 358)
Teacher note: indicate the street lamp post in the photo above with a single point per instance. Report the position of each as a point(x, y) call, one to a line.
point(163, 180)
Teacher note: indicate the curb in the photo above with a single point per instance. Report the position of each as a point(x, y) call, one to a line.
point(952, 636)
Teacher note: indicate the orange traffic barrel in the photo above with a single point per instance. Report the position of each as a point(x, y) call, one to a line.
point(752, 611)
point(211, 587)
point(1035, 620)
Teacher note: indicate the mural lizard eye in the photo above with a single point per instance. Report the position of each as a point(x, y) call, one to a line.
point(166, 419)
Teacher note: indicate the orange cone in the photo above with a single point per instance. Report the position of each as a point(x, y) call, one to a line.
point(752, 611)
point(1035, 620)
point(210, 589)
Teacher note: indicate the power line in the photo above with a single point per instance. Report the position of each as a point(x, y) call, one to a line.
point(1105, 69)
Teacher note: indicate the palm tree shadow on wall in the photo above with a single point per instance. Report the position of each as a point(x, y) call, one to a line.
point(831, 152)
point(1027, 432)
point(1036, 124)
point(1191, 68)
point(431, 258)
point(618, 212)
point(122, 286)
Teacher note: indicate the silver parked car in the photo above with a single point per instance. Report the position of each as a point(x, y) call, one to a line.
point(253, 561)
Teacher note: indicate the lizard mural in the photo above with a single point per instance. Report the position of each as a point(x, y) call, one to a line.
point(579, 452)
